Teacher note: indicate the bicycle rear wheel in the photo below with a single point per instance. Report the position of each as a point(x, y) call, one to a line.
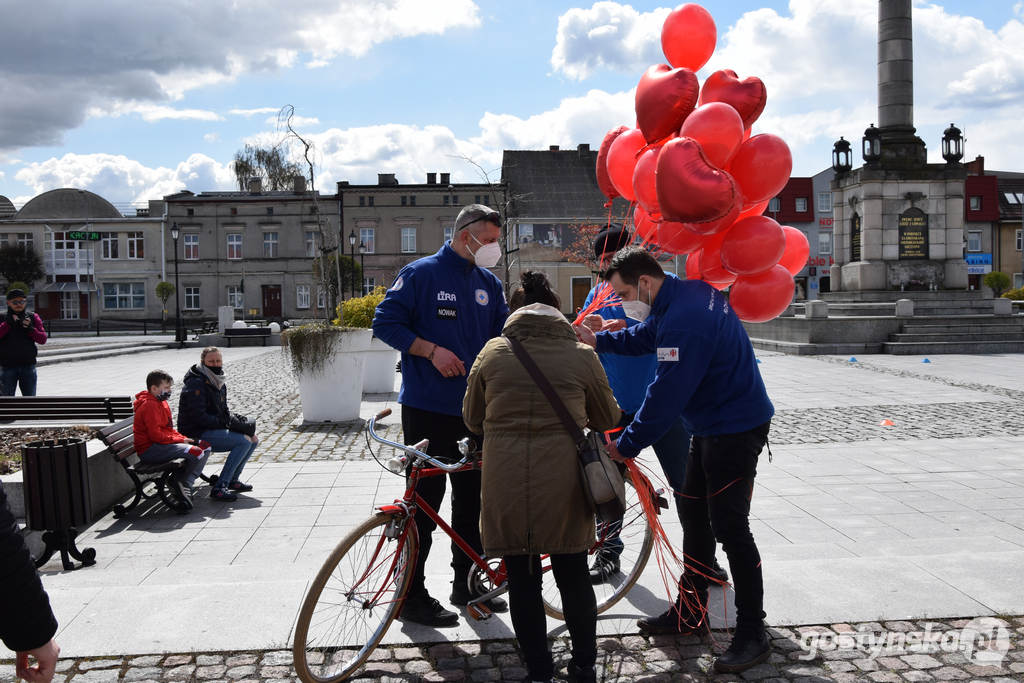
point(636, 540)
point(354, 598)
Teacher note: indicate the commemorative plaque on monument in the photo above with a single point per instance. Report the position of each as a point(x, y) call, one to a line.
point(855, 238)
point(913, 234)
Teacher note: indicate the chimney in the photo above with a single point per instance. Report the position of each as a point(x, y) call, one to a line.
point(255, 185)
point(341, 184)
point(583, 150)
point(446, 178)
point(431, 179)
point(976, 167)
point(895, 65)
point(386, 180)
point(553, 148)
point(299, 184)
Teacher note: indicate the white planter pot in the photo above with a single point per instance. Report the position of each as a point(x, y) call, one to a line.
point(334, 394)
point(379, 375)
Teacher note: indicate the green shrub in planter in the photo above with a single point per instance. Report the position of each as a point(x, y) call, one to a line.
point(358, 311)
point(1015, 294)
point(997, 282)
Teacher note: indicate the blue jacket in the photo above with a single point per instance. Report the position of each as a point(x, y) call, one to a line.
point(707, 373)
point(201, 406)
point(447, 301)
point(628, 375)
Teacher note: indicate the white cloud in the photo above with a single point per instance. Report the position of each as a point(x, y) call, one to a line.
point(211, 137)
point(608, 35)
point(152, 112)
point(103, 54)
point(297, 121)
point(254, 112)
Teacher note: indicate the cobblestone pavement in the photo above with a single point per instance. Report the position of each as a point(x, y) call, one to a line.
point(845, 652)
point(264, 386)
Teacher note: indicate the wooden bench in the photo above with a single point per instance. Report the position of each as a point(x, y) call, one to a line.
point(120, 440)
point(65, 409)
point(231, 332)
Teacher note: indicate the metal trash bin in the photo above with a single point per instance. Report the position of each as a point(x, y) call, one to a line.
point(57, 498)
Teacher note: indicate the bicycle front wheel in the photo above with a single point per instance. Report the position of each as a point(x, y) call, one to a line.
point(354, 598)
point(632, 542)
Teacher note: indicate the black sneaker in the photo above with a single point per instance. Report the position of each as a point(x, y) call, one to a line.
point(580, 674)
point(427, 611)
point(746, 650)
point(223, 495)
point(462, 596)
point(239, 487)
point(718, 572)
point(670, 622)
point(603, 568)
point(181, 492)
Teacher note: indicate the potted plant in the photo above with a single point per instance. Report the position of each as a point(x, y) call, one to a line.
point(328, 361)
point(379, 373)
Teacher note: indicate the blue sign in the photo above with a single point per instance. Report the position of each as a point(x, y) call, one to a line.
point(978, 259)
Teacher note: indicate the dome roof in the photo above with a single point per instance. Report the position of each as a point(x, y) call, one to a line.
point(68, 203)
point(6, 207)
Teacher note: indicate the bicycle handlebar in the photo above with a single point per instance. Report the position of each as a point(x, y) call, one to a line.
point(398, 463)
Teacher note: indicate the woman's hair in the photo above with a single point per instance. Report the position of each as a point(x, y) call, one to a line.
point(207, 351)
point(534, 289)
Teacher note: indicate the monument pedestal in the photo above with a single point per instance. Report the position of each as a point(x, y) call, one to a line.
point(863, 275)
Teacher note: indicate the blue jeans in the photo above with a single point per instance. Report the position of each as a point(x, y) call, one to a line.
point(13, 375)
point(239, 449)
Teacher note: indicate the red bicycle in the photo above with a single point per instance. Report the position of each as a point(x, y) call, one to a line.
point(361, 587)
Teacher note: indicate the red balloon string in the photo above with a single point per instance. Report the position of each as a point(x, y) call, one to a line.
point(604, 295)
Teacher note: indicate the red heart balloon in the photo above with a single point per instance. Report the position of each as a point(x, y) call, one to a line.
point(644, 182)
point(794, 258)
point(690, 188)
point(604, 181)
point(715, 227)
point(664, 98)
point(761, 297)
point(748, 96)
point(622, 160)
point(753, 245)
point(718, 129)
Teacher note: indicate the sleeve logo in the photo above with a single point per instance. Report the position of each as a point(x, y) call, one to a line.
point(398, 284)
point(668, 354)
point(481, 297)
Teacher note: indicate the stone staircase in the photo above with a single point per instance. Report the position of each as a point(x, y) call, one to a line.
point(958, 334)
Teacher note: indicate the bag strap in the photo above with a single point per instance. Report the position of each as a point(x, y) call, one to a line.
point(549, 391)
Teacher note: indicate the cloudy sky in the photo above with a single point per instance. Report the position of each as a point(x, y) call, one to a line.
point(136, 100)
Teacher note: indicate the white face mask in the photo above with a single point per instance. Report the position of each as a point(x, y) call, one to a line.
point(636, 309)
point(487, 255)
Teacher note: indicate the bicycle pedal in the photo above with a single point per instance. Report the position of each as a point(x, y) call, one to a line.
point(662, 503)
point(479, 612)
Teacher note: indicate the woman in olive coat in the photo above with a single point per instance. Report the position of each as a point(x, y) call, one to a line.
point(532, 499)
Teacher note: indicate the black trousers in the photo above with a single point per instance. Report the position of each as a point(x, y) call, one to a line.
point(527, 609)
point(720, 473)
point(444, 431)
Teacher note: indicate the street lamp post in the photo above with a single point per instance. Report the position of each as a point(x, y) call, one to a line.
point(362, 252)
point(352, 256)
point(178, 336)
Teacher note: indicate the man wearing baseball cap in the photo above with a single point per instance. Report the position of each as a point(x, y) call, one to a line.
point(20, 331)
point(439, 313)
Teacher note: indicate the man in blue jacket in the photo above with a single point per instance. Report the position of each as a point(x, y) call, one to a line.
point(707, 374)
point(629, 377)
point(439, 313)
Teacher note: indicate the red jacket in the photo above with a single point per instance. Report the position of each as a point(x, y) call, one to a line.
point(152, 423)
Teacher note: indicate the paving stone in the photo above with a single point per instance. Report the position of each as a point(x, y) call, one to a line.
point(180, 673)
point(241, 660)
point(177, 660)
point(90, 664)
point(921, 661)
point(885, 677)
point(142, 673)
point(490, 674)
point(405, 653)
point(144, 660)
point(950, 673)
point(277, 657)
point(451, 663)
point(917, 676)
point(211, 671)
point(274, 671)
point(95, 676)
point(418, 666)
point(468, 649)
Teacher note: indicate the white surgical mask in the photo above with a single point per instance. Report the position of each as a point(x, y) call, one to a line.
point(487, 255)
point(637, 310)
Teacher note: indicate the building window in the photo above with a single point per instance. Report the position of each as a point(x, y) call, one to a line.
point(191, 298)
point(366, 236)
point(824, 243)
point(270, 211)
point(136, 245)
point(234, 211)
point(412, 200)
point(369, 200)
point(773, 204)
point(1020, 239)
point(824, 202)
point(270, 245)
point(445, 202)
point(975, 202)
point(190, 212)
point(455, 200)
point(368, 284)
point(1018, 280)
point(321, 297)
point(311, 243)
point(25, 240)
point(302, 296)
point(235, 246)
point(1014, 197)
point(70, 306)
point(191, 246)
point(801, 204)
point(124, 295)
point(449, 232)
point(404, 200)
point(362, 201)
point(408, 240)
point(974, 240)
point(236, 298)
point(108, 243)
point(314, 209)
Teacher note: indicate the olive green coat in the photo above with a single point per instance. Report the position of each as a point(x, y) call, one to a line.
point(532, 500)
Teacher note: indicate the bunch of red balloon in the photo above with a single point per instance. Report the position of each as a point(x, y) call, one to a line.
point(699, 179)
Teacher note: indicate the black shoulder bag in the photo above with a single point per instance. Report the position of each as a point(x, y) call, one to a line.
point(602, 481)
